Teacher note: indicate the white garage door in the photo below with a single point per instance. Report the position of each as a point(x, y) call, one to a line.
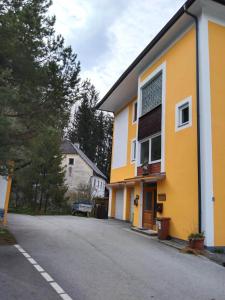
point(119, 204)
point(131, 205)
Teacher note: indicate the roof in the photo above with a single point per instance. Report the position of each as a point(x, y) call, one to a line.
point(67, 147)
point(149, 47)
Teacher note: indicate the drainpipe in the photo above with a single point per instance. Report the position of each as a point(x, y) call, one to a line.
point(198, 120)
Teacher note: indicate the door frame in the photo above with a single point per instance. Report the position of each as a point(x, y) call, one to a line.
point(151, 187)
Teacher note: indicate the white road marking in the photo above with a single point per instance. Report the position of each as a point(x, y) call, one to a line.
point(57, 287)
point(32, 261)
point(39, 268)
point(65, 297)
point(21, 250)
point(44, 274)
point(47, 277)
point(26, 254)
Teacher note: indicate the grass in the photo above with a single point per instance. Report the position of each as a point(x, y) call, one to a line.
point(219, 251)
point(32, 212)
point(6, 237)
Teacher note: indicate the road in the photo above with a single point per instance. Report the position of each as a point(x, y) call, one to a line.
point(103, 260)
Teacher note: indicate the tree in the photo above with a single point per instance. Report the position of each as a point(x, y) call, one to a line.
point(83, 126)
point(42, 184)
point(92, 129)
point(39, 77)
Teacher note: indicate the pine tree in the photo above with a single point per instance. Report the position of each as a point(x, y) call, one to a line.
point(38, 77)
point(42, 184)
point(83, 130)
point(92, 129)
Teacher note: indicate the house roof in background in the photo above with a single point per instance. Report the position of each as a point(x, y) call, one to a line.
point(67, 147)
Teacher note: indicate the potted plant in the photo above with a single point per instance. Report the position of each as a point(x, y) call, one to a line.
point(145, 170)
point(196, 240)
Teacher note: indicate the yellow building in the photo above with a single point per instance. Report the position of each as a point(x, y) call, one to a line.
point(168, 157)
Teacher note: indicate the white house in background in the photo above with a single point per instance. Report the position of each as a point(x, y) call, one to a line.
point(80, 170)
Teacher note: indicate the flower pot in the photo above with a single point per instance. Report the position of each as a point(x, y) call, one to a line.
point(197, 244)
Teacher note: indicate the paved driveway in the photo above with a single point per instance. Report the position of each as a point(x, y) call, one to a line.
point(103, 260)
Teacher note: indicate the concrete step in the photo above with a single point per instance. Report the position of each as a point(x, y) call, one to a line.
point(148, 232)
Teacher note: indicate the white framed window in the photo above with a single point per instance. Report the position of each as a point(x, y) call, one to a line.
point(133, 150)
point(183, 117)
point(150, 150)
point(134, 118)
point(151, 93)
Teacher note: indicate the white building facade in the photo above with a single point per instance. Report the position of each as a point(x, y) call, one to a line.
point(80, 171)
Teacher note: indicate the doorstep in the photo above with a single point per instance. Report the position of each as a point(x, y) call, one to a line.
point(175, 243)
point(148, 232)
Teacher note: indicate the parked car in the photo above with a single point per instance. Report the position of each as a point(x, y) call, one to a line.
point(82, 207)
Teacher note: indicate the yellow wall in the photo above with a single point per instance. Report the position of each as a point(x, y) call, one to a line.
point(180, 184)
point(217, 71)
point(119, 174)
point(137, 191)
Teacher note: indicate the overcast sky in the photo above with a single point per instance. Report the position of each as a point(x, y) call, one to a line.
point(108, 35)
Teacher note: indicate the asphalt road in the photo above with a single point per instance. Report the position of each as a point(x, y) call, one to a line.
point(103, 260)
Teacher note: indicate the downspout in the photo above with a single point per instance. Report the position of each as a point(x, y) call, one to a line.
point(198, 120)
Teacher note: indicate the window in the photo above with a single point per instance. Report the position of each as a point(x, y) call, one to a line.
point(71, 161)
point(150, 150)
point(156, 148)
point(183, 114)
point(145, 152)
point(134, 112)
point(133, 150)
point(151, 94)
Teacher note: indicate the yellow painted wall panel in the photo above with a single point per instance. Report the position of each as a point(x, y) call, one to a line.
point(180, 185)
point(181, 181)
point(217, 77)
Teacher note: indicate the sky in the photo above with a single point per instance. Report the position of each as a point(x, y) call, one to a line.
point(108, 35)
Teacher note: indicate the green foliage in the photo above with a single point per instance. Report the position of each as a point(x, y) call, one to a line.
point(38, 76)
point(92, 129)
point(196, 236)
point(41, 183)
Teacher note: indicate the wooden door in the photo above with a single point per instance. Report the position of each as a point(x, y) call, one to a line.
point(148, 207)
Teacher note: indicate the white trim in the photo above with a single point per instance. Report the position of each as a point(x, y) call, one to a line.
point(160, 68)
point(149, 139)
point(120, 139)
point(110, 203)
point(140, 212)
point(163, 120)
point(132, 161)
point(138, 114)
point(133, 111)
point(124, 203)
point(206, 133)
point(179, 105)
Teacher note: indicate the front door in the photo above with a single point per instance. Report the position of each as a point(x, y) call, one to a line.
point(149, 207)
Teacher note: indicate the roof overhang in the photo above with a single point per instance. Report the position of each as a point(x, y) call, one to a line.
point(138, 179)
point(126, 86)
